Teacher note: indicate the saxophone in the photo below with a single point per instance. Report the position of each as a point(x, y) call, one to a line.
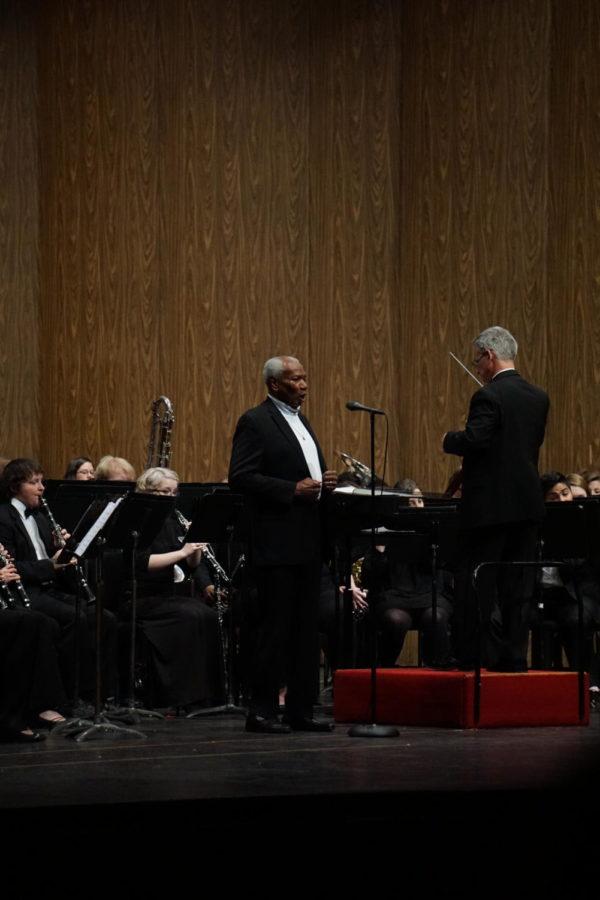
point(161, 427)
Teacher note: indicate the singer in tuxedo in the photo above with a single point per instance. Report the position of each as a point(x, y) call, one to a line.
point(502, 503)
point(277, 464)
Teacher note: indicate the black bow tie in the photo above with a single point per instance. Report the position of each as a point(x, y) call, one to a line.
point(31, 512)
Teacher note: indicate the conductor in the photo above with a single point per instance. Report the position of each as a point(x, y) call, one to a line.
point(501, 505)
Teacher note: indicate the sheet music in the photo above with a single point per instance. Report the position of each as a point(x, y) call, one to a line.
point(97, 526)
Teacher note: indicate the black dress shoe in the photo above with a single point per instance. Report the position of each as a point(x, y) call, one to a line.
point(264, 725)
point(20, 737)
point(306, 724)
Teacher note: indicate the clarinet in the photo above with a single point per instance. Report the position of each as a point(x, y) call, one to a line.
point(16, 587)
point(60, 542)
point(215, 565)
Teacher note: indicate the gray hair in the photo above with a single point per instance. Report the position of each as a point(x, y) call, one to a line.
point(273, 368)
point(499, 340)
point(149, 479)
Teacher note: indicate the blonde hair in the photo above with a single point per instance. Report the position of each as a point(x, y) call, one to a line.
point(149, 479)
point(110, 467)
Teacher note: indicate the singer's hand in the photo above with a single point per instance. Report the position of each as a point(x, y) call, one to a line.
point(329, 480)
point(308, 489)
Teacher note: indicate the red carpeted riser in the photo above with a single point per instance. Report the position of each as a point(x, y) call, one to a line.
point(445, 699)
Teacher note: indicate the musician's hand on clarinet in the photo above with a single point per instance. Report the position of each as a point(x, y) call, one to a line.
point(308, 489)
point(189, 549)
point(208, 594)
point(9, 573)
point(60, 566)
point(330, 480)
point(359, 600)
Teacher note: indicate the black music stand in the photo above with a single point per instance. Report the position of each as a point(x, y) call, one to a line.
point(141, 516)
point(214, 521)
point(101, 726)
point(373, 729)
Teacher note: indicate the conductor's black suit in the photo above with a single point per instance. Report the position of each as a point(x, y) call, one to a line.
point(501, 507)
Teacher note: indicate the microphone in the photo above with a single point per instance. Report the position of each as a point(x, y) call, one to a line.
point(355, 406)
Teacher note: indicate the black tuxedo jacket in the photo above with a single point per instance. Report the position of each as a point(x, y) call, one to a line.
point(266, 464)
point(16, 540)
point(500, 446)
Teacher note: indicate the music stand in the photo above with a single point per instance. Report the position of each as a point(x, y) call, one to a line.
point(134, 518)
point(141, 516)
point(102, 512)
point(215, 519)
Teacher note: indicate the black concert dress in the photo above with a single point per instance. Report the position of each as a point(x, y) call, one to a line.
point(181, 631)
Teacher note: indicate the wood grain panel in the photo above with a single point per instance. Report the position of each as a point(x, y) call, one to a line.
point(363, 183)
point(19, 238)
point(574, 246)
point(100, 321)
point(474, 215)
point(354, 229)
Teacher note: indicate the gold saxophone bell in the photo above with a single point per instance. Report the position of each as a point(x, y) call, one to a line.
point(357, 468)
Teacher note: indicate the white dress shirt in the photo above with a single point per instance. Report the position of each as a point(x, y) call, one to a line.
point(31, 528)
point(305, 439)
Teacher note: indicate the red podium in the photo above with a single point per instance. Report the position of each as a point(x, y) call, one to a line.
point(416, 696)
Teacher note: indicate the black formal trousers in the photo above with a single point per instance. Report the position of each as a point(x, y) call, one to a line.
point(492, 624)
point(30, 680)
point(285, 647)
point(51, 594)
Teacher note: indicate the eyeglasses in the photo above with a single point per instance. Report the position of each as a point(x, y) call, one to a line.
point(166, 492)
point(476, 362)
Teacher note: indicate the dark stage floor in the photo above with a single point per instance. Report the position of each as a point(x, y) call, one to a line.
point(428, 787)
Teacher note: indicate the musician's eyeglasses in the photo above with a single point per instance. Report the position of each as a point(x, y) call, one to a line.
point(167, 492)
point(479, 358)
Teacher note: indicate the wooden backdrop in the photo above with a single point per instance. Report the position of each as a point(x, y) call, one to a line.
point(191, 186)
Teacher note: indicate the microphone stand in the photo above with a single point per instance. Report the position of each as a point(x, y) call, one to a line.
point(372, 729)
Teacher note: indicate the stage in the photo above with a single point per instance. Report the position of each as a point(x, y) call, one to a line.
point(207, 781)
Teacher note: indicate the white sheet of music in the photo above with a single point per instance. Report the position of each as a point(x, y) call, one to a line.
point(97, 526)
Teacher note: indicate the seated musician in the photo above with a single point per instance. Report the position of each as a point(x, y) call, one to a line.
point(114, 468)
point(557, 584)
point(25, 532)
point(578, 485)
point(181, 631)
point(400, 593)
point(80, 469)
point(593, 483)
point(31, 688)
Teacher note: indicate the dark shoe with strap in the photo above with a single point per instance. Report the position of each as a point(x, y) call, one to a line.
point(266, 725)
point(21, 737)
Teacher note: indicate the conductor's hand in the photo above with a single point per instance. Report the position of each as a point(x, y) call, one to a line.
point(329, 480)
point(308, 489)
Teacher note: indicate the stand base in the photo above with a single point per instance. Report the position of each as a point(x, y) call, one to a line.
point(217, 710)
point(132, 715)
point(373, 730)
point(86, 730)
point(72, 726)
